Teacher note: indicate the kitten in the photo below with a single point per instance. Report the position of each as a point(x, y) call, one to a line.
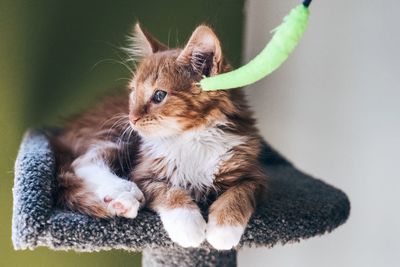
point(178, 145)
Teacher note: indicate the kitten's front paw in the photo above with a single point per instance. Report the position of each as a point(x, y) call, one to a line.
point(223, 237)
point(123, 199)
point(184, 226)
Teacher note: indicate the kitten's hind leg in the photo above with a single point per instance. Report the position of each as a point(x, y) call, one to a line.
point(94, 189)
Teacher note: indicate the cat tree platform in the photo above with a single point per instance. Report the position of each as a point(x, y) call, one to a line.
point(297, 207)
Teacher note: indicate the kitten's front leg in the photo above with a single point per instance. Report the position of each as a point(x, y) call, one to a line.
point(229, 215)
point(179, 214)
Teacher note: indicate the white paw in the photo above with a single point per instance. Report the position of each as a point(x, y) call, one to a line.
point(223, 237)
point(122, 198)
point(184, 226)
point(124, 205)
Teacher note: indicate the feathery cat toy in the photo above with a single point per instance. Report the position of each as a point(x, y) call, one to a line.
point(285, 39)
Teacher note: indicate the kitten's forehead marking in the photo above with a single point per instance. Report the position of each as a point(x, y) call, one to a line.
point(148, 88)
point(143, 90)
point(149, 78)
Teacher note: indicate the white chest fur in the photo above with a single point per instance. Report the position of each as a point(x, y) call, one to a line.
point(191, 159)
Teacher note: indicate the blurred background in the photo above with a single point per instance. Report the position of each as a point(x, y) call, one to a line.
point(333, 108)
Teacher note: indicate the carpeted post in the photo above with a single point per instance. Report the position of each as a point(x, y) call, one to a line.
point(188, 257)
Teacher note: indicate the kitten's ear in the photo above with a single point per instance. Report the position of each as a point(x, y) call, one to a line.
point(143, 44)
point(202, 52)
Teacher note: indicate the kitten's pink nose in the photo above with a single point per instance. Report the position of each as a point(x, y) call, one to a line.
point(134, 118)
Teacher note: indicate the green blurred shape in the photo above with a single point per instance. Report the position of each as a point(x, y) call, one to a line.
point(57, 57)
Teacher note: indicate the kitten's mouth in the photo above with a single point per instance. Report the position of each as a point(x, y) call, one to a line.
point(156, 128)
point(143, 128)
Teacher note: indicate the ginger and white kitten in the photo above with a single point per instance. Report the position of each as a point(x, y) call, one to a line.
point(179, 147)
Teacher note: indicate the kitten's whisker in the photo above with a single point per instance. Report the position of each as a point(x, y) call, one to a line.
point(114, 46)
point(110, 60)
point(125, 161)
point(121, 124)
point(122, 79)
point(120, 121)
point(126, 141)
point(121, 146)
point(100, 62)
point(129, 61)
point(131, 131)
point(127, 67)
point(115, 117)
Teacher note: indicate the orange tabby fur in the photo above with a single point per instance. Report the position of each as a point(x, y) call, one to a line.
point(116, 132)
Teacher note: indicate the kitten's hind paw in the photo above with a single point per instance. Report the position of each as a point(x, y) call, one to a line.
point(124, 205)
point(123, 199)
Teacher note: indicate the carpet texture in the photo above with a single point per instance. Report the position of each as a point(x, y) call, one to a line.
point(297, 207)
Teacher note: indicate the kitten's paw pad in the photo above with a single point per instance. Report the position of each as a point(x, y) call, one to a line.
point(107, 199)
point(223, 237)
point(185, 227)
point(122, 198)
point(124, 205)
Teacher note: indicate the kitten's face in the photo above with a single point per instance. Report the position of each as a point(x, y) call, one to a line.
point(165, 100)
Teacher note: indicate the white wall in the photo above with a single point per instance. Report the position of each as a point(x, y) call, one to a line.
point(334, 110)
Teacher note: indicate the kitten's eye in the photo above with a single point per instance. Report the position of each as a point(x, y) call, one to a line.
point(158, 96)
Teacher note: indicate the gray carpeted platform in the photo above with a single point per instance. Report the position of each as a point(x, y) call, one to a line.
point(297, 207)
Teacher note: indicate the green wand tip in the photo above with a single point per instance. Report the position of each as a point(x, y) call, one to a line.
point(285, 39)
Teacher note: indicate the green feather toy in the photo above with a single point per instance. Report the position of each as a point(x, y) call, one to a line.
point(285, 39)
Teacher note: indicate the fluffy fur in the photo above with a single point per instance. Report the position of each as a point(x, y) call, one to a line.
point(180, 150)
